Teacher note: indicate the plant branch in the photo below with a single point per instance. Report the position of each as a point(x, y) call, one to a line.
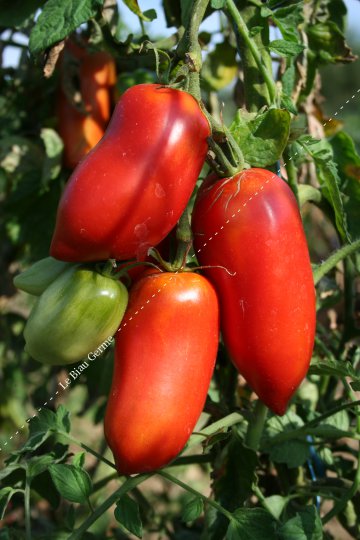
point(188, 488)
point(250, 44)
point(127, 486)
point(334, 259)
point(87, 448)
point(27, 508)
point(256, 425)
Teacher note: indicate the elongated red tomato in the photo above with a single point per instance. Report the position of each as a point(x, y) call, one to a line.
point(131, 189)
point(251, 225)
point(164, 358)
point(81, 131)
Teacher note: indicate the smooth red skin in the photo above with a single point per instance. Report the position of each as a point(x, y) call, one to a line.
point(132, 188)
point(79, 131)
point(164, 358)
point(251, 225)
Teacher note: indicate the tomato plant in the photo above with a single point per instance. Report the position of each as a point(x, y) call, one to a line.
point(224, 181)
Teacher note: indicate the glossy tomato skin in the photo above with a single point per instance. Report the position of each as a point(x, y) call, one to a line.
point(81, 131)
point(131, 189)
point(251, 225)
point(164, 358)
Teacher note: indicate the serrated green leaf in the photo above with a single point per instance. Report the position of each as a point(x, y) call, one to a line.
point(305, 525)
point(73, 483)
point(127, 513)
point(322, 154)
point(287, 103)
point(327, 43)
point(193, 509)
point(252, 524)
point(293, 452)
point(348, 162)
point(145, 16)
point(44, 424)
point(262, 137)
point(58, 19)
point(332, 367)
point(286, 48)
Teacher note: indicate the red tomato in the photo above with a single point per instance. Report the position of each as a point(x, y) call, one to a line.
point(164, 358)
point(131, 189)
point(251, 225)
point(82, 131)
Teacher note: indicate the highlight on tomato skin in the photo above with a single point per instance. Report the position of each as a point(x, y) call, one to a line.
point(267, 299)
point(164, 360)
point(148, 160)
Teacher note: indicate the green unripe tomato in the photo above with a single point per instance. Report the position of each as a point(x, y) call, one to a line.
point(75, 314)
point(39, 276)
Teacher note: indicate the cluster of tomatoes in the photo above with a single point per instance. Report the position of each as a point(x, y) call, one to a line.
point(125, 197)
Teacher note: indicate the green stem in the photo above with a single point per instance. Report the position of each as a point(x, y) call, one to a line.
point(291, 175)
point(301, 432)
point(256, 425)
point(188, 488)
point(27, 509)
point(87, 448)
point(251, 46)
point(334, 259)
point(341, 504)
point(189, 48)
point(184, 238)
point(228, 421)
point(127, 486)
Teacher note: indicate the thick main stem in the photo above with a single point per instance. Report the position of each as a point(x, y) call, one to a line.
point(256, 96)
point(189, 48)
point(256, 425)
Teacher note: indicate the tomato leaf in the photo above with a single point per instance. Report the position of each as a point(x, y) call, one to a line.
point(220, 67)
point(5, 495)
point(73, 483)
point(193, 509)
point(327, 43)
point(286, 48)
point(293, 452)
point(252, 524)
point(305, 525)
point(148, 15)
point(322, 154)
point(42, 426)
point(276, 504)
point(127, 513)
point(58, 19)
point(348, 162)
point(262, 137)
point(38, 464)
